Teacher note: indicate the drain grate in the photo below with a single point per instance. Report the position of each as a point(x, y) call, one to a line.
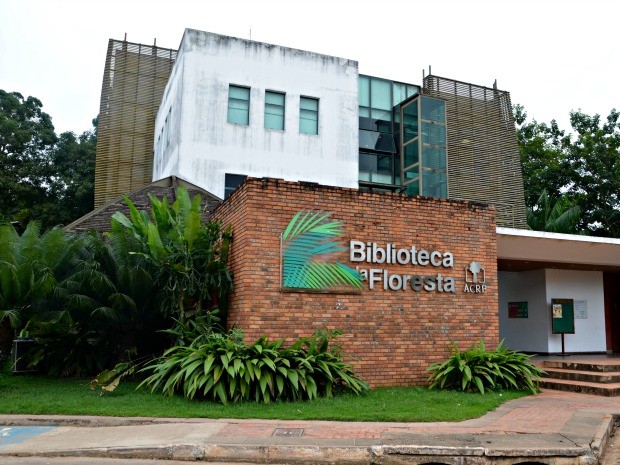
point(288, 432)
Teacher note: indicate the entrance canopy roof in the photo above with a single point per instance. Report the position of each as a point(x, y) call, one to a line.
point(522, 249)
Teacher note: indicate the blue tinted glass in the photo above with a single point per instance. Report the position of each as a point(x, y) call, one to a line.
point(410, 121)
point(413, 188)
point(308, 115)
point(411, 154)
point(434, 158)
point(433, 109)
point(376, 141)
point(307, 103)
point(363, 85)
point(434, 134)
point(399, 92)
point(412, 90)
point(242, 93)
point(238, 105)
point(380, 94)
point(434, 184)
point(275, 98)
point(274, 110)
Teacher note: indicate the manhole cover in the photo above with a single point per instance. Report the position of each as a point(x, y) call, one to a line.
point(289, 432)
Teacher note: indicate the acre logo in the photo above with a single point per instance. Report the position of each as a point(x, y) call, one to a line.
point(475, 278)
point(309, 244)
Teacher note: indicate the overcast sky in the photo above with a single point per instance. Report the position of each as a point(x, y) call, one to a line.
point(553, 56)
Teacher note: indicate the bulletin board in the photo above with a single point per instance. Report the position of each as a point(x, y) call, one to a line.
point(562, 316)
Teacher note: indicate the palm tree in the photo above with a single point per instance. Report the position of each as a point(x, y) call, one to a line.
point(554, 215)
point(31, 266)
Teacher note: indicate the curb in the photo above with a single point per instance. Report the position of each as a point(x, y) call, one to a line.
point(603, 433)
point(313, 455)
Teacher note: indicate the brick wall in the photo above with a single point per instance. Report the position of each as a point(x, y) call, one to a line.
point(392, 335)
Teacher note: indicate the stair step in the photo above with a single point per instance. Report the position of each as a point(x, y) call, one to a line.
point(596, 366)
point(584, 375)
point(611, 389)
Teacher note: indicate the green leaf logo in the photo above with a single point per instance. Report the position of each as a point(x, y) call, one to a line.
point(307, 241)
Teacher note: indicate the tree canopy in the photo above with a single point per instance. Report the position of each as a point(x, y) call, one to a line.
point(44, 176)
point(576, 169)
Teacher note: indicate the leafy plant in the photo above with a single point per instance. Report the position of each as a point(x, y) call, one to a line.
point(554, 215)
point(480, 369)
point(224, 368)
point(307, 239)
point(188, 258)
point(31, 266)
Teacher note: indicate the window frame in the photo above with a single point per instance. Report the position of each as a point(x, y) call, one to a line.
point(274, 105)
point(235, 99)
point(303, 98)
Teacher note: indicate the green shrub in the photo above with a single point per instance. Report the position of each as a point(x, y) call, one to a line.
point(222, 367)
point(478, 368)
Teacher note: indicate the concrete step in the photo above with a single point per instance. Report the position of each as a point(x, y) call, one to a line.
point(584, 375)
point(599, 389)
point(597, 366)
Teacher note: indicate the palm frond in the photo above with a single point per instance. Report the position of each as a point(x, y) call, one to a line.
point(308, 241)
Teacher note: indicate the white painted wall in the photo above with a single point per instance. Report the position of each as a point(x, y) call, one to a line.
point(525, 334)
point(579, 285)
point(538, 288)
point(207, 146)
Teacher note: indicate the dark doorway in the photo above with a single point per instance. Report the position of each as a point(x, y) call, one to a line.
point(611, 283)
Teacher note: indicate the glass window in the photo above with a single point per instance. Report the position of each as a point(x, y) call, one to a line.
point(399, 92)
point(363, 84)
point(364, 118)
point(434, 158)
point(413, 188)
point(380, 94)
point(308, 115)
point(411, 154)
point(274, 110)
point(375, 168)
point(381, 120)
point(434, 183)
point(238, 105)
point(376, 141)
point(433, 110)
point(231, 182)
point(412, 90)
point(410, 121)
point(434, 134)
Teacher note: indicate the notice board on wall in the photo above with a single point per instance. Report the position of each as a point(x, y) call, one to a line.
point(562, 316)
point(517, 309)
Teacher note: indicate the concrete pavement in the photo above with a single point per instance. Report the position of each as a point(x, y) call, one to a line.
point(551, 428)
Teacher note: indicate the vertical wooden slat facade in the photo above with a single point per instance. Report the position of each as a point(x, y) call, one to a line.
point(483, 155)
point(134, 80)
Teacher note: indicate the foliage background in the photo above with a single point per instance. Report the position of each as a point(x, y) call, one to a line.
point(44, 176)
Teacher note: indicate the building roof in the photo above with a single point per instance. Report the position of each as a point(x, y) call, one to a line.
point(522, 249)
point(99, 219)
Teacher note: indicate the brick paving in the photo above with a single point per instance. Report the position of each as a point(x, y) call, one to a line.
point(548, 412)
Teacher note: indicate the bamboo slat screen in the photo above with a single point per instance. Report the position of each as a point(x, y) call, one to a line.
point(483, 155)
point(134, 79)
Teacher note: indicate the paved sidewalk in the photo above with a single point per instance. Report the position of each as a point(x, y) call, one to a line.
point(570, 428)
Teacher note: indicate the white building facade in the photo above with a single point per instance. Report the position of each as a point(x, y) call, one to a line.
point(234, 108)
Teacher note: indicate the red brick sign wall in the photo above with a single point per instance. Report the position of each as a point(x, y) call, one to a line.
point(393, 335)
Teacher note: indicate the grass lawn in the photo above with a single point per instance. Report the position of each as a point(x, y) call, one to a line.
point(29, 394)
